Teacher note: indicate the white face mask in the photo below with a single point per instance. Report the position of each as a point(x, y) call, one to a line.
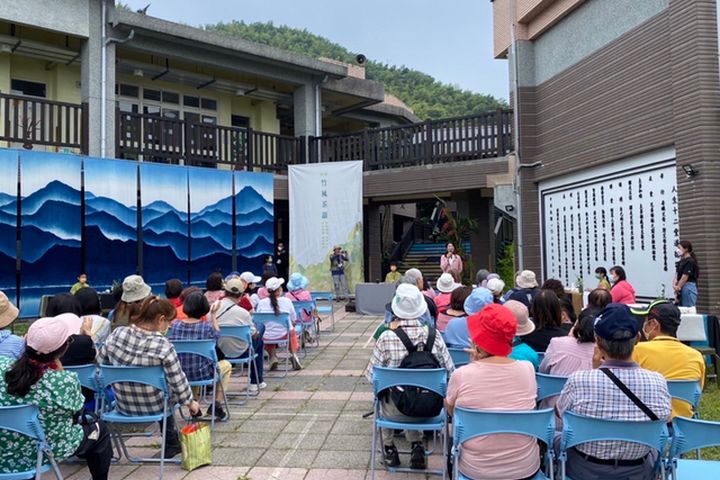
point(613, 279)
point(679, 252)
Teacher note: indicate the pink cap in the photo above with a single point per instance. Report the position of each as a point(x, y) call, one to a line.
point(46, 335)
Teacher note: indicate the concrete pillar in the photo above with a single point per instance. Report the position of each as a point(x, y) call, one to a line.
point(304, 110)
point(373, 267)
point(91, 82)
point(482, 209)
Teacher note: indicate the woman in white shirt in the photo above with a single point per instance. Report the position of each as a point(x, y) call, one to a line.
point(276, 303)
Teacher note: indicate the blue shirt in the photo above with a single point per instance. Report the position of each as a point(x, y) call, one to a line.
point(195, 367)
point(11, 345)
point(456, 333)
point(522, 351)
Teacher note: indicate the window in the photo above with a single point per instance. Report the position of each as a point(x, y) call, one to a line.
point(189, 101)
point(208, 104)
point(127, 107)
point(171, 97)
point(129, 90)
point(149, 94)
point(26, 87)
point(240, 121)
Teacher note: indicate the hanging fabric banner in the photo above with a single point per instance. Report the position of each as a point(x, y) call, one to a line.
point(326, 209)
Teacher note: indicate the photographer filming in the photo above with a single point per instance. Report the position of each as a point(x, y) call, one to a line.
point(337, 267)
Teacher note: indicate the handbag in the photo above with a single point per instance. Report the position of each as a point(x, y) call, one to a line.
point(196, 445)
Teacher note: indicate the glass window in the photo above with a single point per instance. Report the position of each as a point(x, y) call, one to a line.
point(170, 97)
point(25, 87)
point(128, 107)
point(149, 94)
point(209, 104)
point(189, 101)
point(240, 121)
point(129, 90)
point(151, 110)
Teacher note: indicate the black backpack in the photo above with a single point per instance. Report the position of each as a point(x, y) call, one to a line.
point(416, 401)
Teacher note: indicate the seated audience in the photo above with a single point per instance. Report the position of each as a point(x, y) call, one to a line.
point(297, 292)
point(480, 277)
point(456, 275)
point(196, 367)
point(525, 326)
point(665, 354)
point(37, 378)
point(457, 303)
point(134, 291)
point(599, 298)
point(456, 333)
point(173, 289)
point(621, 291)
point(496, 287)
point(415, 277)
point(252, 281)
point(276, 303)
point(214, 287)
point(445, 285)
point(229, 312)
point(592, 393)
point(569, 354)
point(407, 306)
point(568, 317)
point(513, 388)
point(180, 311)
point(11, 345)
point(547, 315)
point(261, 292)
point(556, 286)
point(90, 307)
point(143, 343)
point(393, 276)
point(81, 349)
point(527, 288)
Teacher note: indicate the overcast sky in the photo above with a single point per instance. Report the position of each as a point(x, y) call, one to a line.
point(451, 40)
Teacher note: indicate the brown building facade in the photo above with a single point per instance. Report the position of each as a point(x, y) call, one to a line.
point(615, 98)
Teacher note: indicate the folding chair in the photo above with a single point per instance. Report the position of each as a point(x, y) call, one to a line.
point(549, 385)
point(24, 419)
point(434, 380)
point(151, 376)
point(578, 429)
point(205, 349)
point(303, 325)
point(241, 333)
point(468, 424)
point(283, 320)
point(88, 376)
point(541, 356)
point(459, 356)
point(688, 391)
point(325, 297)
point(692, 434)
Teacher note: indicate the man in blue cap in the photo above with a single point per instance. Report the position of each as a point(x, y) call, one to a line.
point(605, 392)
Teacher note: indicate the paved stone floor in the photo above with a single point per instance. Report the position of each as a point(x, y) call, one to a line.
point(307, 426)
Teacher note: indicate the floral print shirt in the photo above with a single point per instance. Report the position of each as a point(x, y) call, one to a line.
point(57, 394)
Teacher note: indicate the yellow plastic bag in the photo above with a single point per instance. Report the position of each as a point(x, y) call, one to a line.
point(196, 446)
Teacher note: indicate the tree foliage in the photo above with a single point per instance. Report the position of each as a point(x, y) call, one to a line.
point(428, 97)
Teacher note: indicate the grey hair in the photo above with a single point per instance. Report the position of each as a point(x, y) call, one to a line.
point(620, 349)
point(480, 276)
point(412, 276)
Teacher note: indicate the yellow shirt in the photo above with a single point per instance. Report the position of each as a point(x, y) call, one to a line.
point(393, 277)
point(675, 361)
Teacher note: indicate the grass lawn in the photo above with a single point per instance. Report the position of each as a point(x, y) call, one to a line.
point(710, 410)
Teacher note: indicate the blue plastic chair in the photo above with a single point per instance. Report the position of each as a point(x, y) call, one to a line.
point(283, 319)
point(243, 334)
point(309, 326)
point(324, 304)
point(88, 376)
point(549, 385)
point(578, 429)
point(152, 376)
point(25, 420)
point(686, 390)
point(541, 356)
point(468, 424)
point(205, 349)
point(459, 356)
point(692, 434)
point(434, 380)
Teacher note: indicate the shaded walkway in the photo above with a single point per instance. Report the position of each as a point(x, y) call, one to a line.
point(307, 426)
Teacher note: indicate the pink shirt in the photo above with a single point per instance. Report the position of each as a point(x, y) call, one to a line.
point(513, 388)
point(442, 300)
point(565, 355)
point(623, 292)
point(452, 263)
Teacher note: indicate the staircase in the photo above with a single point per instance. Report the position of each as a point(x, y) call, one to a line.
point(426, 258)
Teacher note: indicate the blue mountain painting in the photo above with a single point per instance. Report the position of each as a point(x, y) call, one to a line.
point(8, 222)
point(254, 220)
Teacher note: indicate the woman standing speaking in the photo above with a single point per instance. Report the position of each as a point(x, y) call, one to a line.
point(451, 260)
point(686, 275)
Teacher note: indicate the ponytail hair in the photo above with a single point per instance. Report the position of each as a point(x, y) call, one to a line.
point(29, 369)
point(274, 302)
point(688, 246)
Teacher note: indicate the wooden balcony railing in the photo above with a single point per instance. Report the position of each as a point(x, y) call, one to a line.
point(35, 121)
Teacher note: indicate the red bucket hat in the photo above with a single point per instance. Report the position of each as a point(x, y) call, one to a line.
point(493, 329)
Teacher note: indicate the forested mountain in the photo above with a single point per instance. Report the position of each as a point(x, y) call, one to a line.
point(428, 97)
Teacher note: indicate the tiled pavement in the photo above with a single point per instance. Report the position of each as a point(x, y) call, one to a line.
point(307, 426)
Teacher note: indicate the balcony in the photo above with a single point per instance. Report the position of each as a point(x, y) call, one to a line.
point(28, 121)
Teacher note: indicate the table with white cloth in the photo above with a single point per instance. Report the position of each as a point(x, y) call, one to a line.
point(371, 298)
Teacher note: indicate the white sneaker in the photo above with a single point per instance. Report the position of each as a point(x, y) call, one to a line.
point(254, 388)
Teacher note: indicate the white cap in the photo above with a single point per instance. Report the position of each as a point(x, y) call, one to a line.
point(409, 302)
point(273, 283)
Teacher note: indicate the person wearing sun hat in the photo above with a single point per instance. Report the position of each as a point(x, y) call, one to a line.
point(527, 288)
point(10, 345)
point(456, 332)
point(134, 291)
point(298, 292)
point(492, 331)
point(525, 326)
point(407, 305)
point(595, 393)
point(277, 303)
point(445, 284)
point(37, 378)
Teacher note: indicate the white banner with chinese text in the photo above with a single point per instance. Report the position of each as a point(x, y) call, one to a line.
point(326, 209)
